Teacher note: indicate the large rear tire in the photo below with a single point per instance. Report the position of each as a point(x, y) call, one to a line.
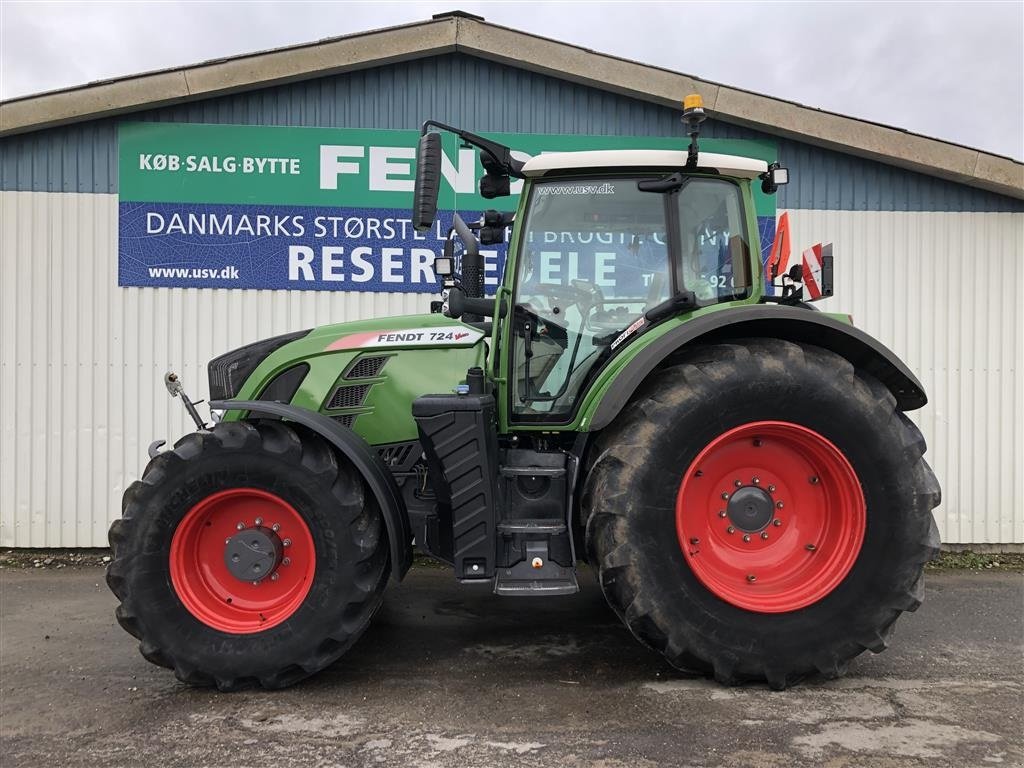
point(761, 511)
point(190, 520)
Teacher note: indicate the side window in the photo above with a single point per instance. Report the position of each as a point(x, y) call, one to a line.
point(715, 252)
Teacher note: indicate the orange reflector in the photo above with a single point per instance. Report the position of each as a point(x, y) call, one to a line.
point(693, 101)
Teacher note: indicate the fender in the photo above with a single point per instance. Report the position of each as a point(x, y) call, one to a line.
point(363, 458)
point(788, 323)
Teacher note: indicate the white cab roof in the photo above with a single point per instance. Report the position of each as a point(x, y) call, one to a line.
point(727, 165)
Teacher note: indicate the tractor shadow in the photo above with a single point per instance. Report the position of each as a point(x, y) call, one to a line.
point(430, 625)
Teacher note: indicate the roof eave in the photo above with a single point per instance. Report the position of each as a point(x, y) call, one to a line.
point(217, 78)
point(538, 54)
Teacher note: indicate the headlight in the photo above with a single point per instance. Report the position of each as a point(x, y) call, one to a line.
point(228, 372)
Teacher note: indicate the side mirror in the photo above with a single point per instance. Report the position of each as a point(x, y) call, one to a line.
point(428, 181)
point(776, 176)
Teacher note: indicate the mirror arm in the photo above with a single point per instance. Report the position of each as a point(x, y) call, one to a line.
point(498, 153)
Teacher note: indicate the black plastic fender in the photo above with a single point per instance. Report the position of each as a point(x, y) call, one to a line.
point(773, 321)
point(363, 458)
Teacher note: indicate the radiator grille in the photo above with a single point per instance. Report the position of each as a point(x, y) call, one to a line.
point(396, 455)
point(346, 420)
point(366, 368)
point(349, 397)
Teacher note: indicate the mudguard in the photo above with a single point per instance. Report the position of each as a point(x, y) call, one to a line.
point(363, 458)
point(789, 323)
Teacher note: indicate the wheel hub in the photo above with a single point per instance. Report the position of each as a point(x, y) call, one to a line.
point(242, 560)
point(253, 554)
point(750, 508)
point(770, 516)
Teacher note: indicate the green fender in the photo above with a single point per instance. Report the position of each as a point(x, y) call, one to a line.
point(770, 321)
point(366, 461)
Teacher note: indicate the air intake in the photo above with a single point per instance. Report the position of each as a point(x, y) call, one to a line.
point(348, 397)
point(366, 368)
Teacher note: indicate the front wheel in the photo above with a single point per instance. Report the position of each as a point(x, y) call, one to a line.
point(247, 555)
point(761, 510)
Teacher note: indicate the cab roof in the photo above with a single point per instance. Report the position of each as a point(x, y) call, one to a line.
point(669, 159)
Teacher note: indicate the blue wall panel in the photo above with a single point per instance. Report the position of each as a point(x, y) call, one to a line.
point(481, 96)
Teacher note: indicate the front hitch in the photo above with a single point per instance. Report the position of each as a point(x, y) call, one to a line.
point(175, 389)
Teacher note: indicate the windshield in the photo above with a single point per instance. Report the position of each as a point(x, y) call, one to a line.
point(594, 257)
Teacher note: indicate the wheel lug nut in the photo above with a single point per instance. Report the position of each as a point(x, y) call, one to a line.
point(227, 541)
point(756, 481)
point(275, 527)
point(737, 483)
point(764, 535)
point(275, 576)
point(778, 504)
point(695, 540)
point(746, 537)
point(699, 473)
point(286, 561)
point(776, 522)
point(810, 547)
point(255, 583)
point(751, 578)
point(771, 489)
point(725, 497)
point(288, 542)
point(814, 480)
point(240, 527)
point(730, 529)
point(259, 521)
point(721, 513)
point(758, 442)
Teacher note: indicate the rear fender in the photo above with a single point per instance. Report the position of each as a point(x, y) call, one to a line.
point(363, 458)
point(789, 323)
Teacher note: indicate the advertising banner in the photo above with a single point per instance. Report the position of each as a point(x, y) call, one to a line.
point(280, 208)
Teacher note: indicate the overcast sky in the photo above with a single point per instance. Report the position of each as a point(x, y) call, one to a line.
point(950, 70)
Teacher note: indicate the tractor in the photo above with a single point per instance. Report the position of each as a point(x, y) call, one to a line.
point(636, 394)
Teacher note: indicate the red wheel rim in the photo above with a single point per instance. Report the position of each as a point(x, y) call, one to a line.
point(206, 586)
point(816, 522)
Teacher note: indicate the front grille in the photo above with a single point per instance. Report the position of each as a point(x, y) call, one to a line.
point(348, 397)
point(366, 367)
point(346, 420)
point(396, 455)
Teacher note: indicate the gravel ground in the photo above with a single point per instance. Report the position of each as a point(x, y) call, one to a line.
point(449, 675)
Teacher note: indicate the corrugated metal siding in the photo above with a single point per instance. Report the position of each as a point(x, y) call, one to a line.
point(482, 96)
point(942, 291)
point(81, 360)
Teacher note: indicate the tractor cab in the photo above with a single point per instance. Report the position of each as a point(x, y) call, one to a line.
point(606, 245)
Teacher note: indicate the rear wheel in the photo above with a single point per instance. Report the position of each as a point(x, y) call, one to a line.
point(761, 511)
point(247, 555)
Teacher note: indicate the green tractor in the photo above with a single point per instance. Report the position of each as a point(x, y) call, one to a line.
point(735, 465)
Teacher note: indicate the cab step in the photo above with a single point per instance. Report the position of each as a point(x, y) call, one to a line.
point(549, 527)
point(536, 576)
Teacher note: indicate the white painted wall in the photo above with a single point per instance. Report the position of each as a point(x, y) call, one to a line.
point(82, 360)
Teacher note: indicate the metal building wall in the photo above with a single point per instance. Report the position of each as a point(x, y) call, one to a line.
point(942, 291)
point(927, 266)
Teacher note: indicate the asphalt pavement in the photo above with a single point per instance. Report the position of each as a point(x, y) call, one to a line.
point(451, 675)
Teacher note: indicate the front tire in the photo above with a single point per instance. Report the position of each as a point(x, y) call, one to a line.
point(722, 575)
point(183, 538)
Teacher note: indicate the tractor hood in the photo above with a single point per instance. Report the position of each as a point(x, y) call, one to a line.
point(370, 369)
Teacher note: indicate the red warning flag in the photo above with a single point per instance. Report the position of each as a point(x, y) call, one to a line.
point(779, 257)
